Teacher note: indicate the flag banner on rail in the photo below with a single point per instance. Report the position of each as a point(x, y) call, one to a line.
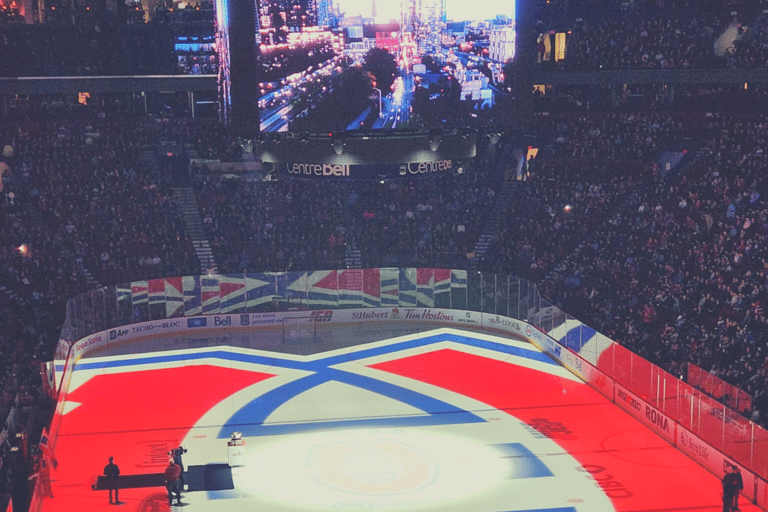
point(372, 287)
point(210, 294)
point(425, 282)
point(297, 288)
point(323, 288)
point(407, 287)
point(174, 297)
point(192, 296)
point(390, 286)
point(350, 287)
point(232, 294)
point(259, 290)
point(139, 292)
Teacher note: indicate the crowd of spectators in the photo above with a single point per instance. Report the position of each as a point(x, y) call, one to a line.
point(655, 35)
point(99, 48)
point(751, 50)
point(102, 47)
point(79, 199)
point(652, 98)
point(293, 224)
point(665, 43)
point(609, 136)
point(82, 203)
point(672, 266)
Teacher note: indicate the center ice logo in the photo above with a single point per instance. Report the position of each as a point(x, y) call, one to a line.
point(378, 468)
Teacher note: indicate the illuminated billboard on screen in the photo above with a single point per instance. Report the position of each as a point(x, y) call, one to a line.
point(352, 65)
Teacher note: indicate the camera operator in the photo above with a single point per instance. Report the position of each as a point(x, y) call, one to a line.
point(176, 453)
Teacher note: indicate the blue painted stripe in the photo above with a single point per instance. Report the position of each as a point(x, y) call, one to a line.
point(522, 462)
point(251, 430)
point(256, 412)
point(213, 354)
point(322, 363)
point(557, 509)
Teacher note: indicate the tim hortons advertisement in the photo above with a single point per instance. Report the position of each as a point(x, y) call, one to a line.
point(714, 461)
point(431, 315)
point(647, 414)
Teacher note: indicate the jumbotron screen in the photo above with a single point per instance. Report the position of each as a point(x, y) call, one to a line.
point(330, 66)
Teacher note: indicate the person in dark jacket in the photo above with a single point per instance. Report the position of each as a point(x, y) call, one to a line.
point(729, 482)
point(739, 486)
point(112, 474)
point(172, 474)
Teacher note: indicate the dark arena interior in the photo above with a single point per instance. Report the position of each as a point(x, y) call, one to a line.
point(412, 255)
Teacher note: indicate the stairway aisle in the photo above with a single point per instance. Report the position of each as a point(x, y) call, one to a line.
point(185, 198)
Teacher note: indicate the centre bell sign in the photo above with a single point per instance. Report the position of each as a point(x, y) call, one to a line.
point(367, 172)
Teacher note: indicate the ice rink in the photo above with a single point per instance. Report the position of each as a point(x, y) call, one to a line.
point(377, 419)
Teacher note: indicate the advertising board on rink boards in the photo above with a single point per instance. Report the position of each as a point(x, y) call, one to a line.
point(712, 459)
point(762, 493)
point(427, 315)
point(249, 320)
point(645, 413)
point(718, 463)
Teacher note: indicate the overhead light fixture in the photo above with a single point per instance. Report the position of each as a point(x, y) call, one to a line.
point(338, 145)
point(435, 138)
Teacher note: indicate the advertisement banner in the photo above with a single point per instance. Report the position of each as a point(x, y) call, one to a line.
point(599, 381)
point(502, 323)
point(648, 415)
point(427, 315)
point(714, 460)
point(327, 171)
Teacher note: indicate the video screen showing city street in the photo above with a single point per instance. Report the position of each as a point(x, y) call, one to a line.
point(329, 66)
